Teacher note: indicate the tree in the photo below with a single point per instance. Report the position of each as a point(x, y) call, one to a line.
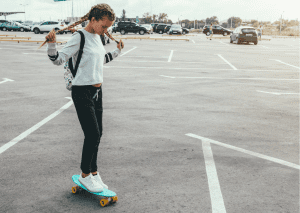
point(212, 20)
point(162, 17)
point(147, 18)
point(123, 16)
point(154, 18)
point(235, 21)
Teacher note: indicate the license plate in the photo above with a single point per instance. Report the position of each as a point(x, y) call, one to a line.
point(248, 34)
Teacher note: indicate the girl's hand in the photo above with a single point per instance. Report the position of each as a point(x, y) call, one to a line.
point(120, 45)
point(51, 37)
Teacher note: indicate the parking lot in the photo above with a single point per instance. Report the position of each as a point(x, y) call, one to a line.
point(189, 126)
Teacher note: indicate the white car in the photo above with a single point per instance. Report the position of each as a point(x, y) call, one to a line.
point(47, 26)
point(148, 27)
point(74, 29)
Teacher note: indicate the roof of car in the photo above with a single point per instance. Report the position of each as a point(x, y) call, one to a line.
point(246, 27)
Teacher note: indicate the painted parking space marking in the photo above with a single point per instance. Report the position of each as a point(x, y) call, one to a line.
point(193, 41)
point(217, 202)
point(223, 43)
point(285, 63)
point(35, 127)
point(5, 80)
point(259, 79)
point(170, 57)
point(275, 160)
point(227, 62)
point(277, 93)
point(128, 51)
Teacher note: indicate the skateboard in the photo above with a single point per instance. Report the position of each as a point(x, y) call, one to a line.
point(107, 196)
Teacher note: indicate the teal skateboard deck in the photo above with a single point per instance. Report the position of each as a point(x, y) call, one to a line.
point(109, 196)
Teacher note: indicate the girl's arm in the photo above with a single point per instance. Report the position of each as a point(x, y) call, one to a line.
point(111, 55)
point(70, 48)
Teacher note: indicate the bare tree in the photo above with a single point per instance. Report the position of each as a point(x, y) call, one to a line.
point(123, 16)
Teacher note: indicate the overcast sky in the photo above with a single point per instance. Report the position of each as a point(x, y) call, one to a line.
point(265, 10)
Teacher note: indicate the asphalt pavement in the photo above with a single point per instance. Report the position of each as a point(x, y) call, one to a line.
point(189, 126)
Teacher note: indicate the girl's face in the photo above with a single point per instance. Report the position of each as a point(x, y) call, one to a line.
point(101, 26)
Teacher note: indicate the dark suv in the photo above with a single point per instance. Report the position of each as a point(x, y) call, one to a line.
point(161, 28)
point(216, 30)
point(130, 27)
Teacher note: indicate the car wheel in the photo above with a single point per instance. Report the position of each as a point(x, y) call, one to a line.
point(36, 31)
point(224, 34)
point(4, 29)
point(255, 43)
point(183, 33)
point(142, 32)
point(207, 34)
point(22, 29)
point(160, 32)
point(230, 40)
point(122, 32)
point(238, 41)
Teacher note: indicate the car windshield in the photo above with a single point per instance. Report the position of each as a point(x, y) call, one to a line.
point(176, 27)
point(248, 30)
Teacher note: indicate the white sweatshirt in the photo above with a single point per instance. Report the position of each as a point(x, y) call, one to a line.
point(90, 69)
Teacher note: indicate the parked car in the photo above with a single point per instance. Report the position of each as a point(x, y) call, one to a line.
point(160, 28)
point(14, 26)
point(185, 31)
point(48, 26)
point(216, 30)
point(154, 25)
point(114, 27)
point(148, 27)
point(2, 23)
point(167, 28)
point(175, 29)
point(244, 34)
point(130, 27)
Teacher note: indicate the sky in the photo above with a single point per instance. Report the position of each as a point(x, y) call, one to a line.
point(263, 10)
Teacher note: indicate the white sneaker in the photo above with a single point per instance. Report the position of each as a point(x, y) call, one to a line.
point(90, 183)
point(99, 180)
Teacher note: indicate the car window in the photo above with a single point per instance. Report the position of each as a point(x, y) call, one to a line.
point(248, 30)
point(219, 28)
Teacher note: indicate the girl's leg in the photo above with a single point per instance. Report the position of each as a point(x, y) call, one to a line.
point(83, 100)
point(99, 114)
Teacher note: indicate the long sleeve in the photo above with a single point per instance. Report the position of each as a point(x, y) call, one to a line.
point(69, 50)
point(111, 55)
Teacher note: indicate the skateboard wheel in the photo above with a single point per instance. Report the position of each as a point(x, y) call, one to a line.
point(104, 202)
point(74, 190)
point(114, 199)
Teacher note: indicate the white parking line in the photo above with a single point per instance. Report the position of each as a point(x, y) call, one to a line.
point(260, 79)
point(275, 160)
point(285, 63)
point(223, 43)
point(5, 80)
point(170, 57)
point(193, 41)
point(217, 202)
point(128, 51)
point(264, 46)
point(227, 62)
point(277, 93)
point(32, 129)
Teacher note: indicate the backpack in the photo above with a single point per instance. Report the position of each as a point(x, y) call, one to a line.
point(69, 73)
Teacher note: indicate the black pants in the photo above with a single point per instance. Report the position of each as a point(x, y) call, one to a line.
point(89, 110)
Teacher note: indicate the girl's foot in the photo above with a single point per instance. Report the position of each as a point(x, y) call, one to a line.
point(99, 180)
point(90, 183)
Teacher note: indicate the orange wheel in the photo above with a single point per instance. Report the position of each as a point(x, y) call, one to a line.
point(104, 202)
point(114, 199)
point(74, 189)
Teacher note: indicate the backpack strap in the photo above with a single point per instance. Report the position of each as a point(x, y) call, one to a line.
point(82, 41)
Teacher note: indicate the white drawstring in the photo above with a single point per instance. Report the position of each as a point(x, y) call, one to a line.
point(96, 94)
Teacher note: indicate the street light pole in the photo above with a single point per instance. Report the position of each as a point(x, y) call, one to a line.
point(24, 10)
point(281, 22)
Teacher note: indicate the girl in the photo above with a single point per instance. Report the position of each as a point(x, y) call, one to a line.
point(210, 31)
point(86, 89)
